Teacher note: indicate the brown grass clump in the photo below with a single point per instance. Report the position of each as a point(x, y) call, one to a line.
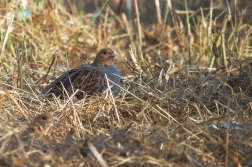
point(185, 97)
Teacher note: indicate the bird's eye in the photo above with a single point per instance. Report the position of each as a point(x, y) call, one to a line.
point(104, 52)
point(44, 118)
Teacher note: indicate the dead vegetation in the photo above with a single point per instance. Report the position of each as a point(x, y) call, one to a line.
point(185, 97)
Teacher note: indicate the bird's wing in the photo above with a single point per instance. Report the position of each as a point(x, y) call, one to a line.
point(91, 81)
point(85, 78)
point(57, 83)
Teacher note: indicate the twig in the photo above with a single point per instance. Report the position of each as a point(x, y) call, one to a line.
point(138, 24)
point(159, 18)
point(97, 154)
point(7, 34)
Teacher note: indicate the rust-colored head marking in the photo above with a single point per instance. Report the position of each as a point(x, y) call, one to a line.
point(104, 57)
point(42, 123)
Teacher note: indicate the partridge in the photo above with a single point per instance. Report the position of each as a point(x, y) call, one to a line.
point(42, 123)
point(89, 79)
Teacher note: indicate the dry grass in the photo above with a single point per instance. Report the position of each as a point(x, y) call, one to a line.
point(181, 84)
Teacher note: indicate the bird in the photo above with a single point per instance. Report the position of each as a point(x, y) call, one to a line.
point(88, 78)
point(42, 123)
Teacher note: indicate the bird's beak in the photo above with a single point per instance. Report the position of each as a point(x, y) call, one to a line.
point(112, 55)
point(55, 119)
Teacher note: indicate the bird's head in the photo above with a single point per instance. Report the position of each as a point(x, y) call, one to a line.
point(42, 123)
point(104, 57)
